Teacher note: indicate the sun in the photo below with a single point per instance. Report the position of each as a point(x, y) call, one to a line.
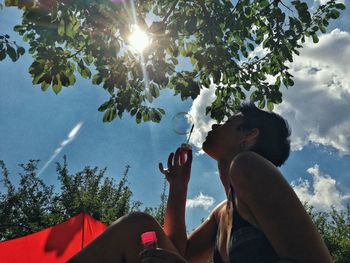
point(138, 39)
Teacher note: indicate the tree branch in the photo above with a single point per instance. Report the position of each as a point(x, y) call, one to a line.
point(170, 11)
point(76, 53)
point(286, 6)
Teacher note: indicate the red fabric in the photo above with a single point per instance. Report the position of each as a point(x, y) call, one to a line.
point(53, 244)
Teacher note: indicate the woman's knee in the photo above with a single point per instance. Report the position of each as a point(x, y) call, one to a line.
point(137, 215)
point(136, 218)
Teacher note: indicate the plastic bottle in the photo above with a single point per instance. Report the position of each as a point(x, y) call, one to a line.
point(149, 240)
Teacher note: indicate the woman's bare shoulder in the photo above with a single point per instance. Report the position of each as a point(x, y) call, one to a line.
point(217, 211)
point(252, 164)
point(276, 207)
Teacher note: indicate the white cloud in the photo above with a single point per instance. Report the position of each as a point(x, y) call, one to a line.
point(202, 122)
point(258, 51)
point(323, 2)
point(317, 107)
point(200, 201)
point(322, 193)
point(71, 136)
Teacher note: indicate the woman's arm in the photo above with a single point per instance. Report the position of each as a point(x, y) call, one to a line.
point(178, 175)
point(201, 242)
point(174, 220)
point(278, 210)
point(198, 247)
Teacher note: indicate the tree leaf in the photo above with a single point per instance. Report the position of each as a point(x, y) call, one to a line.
point(71, 78)
point(106, 116)
point(61, 28)
point(340, 6)
point(146, 116)
point(110, 115)
point(97, 79)
point(2, 54)
point(20, 51)
point(69, 30)
point(44, 86)
point(57, 87)
point(133, 111)
point(270, 106)
point(11, 52)
point(138, 117)
point(154, 90)
point(323, 29)
point(104, 106)
point(162, 111)
point(17, 28)
point(64, 79)
point(251, 46)
point(262, 104)
point(334, 14)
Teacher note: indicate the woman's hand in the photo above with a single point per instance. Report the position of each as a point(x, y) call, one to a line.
point(160, 256)
point(179, 169)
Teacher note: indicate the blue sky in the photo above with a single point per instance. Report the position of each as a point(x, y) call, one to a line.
point(42, 125)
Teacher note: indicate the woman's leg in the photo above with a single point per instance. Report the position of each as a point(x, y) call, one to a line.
point(121, 241)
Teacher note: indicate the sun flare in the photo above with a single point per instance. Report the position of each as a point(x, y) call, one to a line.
point(139, 39)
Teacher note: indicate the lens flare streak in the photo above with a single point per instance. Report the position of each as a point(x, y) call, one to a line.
point(143, 66)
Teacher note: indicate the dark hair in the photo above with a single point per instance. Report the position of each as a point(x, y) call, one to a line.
point(273, 141)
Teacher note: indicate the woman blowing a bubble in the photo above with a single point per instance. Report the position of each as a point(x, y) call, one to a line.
point(262, 219)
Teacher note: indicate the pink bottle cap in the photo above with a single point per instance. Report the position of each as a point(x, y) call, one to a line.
point(148, 237)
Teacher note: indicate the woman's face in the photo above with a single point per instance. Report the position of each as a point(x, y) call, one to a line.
point(224, 140)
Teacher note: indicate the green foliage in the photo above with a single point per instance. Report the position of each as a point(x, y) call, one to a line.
point(218, 37)
point(159, 212)
point(33, 205)
point(90, 191)
point(30, 207)
point(10, 49)
point(334, 227)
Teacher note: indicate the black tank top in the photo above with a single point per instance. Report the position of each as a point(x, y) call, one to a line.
point(247, 243)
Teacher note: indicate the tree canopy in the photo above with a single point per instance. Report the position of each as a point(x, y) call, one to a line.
point(33, 205)
point(245, 44)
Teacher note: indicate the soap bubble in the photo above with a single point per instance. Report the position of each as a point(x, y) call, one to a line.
point(182, 123)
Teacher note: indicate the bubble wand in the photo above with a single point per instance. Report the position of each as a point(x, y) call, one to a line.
point(188, 140)
point(185, 147)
